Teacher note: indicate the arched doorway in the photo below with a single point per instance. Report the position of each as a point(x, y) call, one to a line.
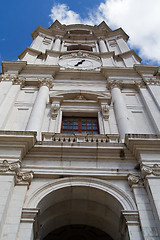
point(77, 232)
point(80, 202)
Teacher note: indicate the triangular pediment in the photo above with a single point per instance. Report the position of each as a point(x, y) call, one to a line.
point(56, 25)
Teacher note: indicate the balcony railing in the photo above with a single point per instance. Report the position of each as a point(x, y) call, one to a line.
point(80, 138)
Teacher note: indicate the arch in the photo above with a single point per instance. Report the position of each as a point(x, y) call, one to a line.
point(77, 200)
point(126, 201)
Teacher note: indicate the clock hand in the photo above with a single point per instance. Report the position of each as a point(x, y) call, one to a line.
point(79, 63)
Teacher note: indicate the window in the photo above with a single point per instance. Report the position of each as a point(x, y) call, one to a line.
point(79, 125)
point(79, 47)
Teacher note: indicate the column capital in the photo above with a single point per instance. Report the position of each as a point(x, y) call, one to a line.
point(46, 82)
point(140, 84)
point(152, 81)
point(114, 84)
point(8, 77)
point(19, 81)
point(150, 170)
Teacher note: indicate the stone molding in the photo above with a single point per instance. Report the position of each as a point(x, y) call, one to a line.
point(148, 170)
point(6, 166)
point(46, 82)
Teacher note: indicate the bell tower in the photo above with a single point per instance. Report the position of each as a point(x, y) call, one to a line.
point(79, 138)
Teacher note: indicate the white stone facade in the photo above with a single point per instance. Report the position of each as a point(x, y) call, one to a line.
point(50, 179)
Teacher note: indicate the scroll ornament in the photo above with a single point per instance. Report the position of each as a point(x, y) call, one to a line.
point(147, 170)
point(6, 166)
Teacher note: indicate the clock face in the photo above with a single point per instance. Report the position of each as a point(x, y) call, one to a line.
point(79, 63)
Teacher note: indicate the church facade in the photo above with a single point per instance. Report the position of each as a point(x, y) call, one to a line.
point(79, 138)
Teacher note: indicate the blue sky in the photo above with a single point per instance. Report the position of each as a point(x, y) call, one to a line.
point(19, 18)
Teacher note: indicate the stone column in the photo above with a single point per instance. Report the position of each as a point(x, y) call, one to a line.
point(120, 109)
point(151, 106)
point(151, 176)
point(146, 216)
point(102, 46)
point(38, 111)
point(9, 99)
point(57, 44)
point(122, 45)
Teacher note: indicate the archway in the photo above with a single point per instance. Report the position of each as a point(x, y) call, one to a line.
point(77, 232)
point(80, 201)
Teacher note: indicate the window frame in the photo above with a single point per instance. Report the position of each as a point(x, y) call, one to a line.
point(80, 125)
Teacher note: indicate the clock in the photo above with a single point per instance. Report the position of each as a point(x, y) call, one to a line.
point(82, 62)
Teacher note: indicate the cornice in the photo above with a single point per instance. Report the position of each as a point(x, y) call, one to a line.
point(23, 140)
point(128, 53)
point(146, 69)
point(116, 33)
point(15, 66)
point(29, 49)
point(41, 29)
point(138, 143)
point(41, 69)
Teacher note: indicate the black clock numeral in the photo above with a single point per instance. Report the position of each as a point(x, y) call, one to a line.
point(79, 63)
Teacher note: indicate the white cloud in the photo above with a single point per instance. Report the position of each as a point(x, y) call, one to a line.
point(139, 19)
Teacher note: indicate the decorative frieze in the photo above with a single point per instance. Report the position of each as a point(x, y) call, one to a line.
point(148, 170)
point(46, 82)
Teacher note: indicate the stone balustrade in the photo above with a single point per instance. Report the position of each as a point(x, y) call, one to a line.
point(79, 138)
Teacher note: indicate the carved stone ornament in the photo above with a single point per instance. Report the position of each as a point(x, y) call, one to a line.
point(105, 111)
point(54, 110)
point(24, 177)
point(80, 97)
point(5, 166)
point(140, 84)
point(147, 170)
point(152, 81)
point(133, 179)
point(19, 81)
point(8, 77)
point(46, 82)
point(114, 84)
